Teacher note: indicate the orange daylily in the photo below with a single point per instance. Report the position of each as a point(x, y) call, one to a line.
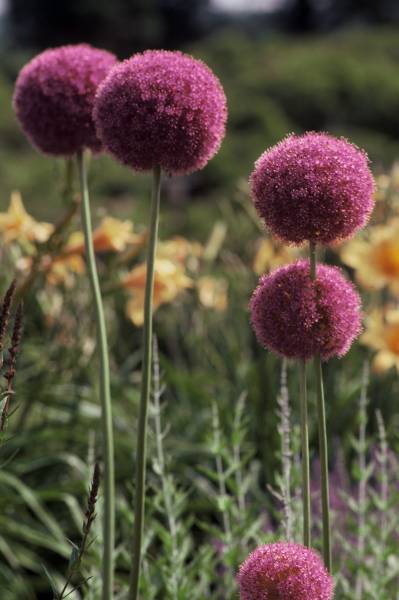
point(17, 224)
point(169, 280)
point(212, 292)
point(382, 334)
point(376, 259)
point(111, 235)
point(270, 255)
point(179, 249)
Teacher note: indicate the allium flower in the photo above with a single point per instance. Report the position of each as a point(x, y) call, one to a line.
point(54, 96)
point(284, 571)
point(313, 187)
point(297, 317)
point(162, 109)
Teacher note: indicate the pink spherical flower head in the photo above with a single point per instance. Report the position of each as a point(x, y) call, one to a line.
point(284, 571)
point(162, 109)
point(297, 317)
point(54, 97)
point(313, 187)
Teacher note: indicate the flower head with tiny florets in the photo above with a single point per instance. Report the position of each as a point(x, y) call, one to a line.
point(284, 571)
point(297, 317)
point(54, 97)
point(313, 187)
point(163, 109)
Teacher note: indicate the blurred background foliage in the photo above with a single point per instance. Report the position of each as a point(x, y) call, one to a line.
point(304, 65)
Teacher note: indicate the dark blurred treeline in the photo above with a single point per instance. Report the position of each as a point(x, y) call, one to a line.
point(130, 25)
point(123, 26)
point(325, 65)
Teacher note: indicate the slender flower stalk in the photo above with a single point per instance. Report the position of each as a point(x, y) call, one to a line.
point(323, 448)
point(141, 450)
point(305, 457)
point(286, 453)
point(105, 393)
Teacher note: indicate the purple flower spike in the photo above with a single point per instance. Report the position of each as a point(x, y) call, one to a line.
point(313, 187)
point(162, 109)
point(54, 97)
point(297, 317)
point(284, 571)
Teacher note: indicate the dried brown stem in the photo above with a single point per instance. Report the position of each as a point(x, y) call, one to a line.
point(12, 362)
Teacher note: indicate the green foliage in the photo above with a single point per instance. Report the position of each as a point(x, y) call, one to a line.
point(215, 481)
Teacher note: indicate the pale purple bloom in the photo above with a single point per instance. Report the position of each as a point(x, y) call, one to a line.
point(297, 317)
point(313, 187)
point(284, 571)
point(54, 97)
point(161, 108)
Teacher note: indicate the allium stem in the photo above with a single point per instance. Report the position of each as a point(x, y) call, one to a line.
point(305, 457)
point(323, 449)
point(105, 393)
point(145, 390)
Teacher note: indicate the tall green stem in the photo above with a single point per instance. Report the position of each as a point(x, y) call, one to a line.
point(321, 417)
point(105, 394)
point(145, 390)
point(305, 457)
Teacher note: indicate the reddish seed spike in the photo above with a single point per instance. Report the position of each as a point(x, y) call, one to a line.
point(161, 108)
point(15, 344)
point(5, 313)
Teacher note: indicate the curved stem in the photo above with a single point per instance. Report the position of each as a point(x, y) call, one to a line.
point(145, 390)
point(305, 457)
point(105, 394)
point(323, 449)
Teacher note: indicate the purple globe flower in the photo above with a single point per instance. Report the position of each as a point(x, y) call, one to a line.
point(313, 187)
point(284, 571)
point(54, 97)
point(297, 317)
point(162, 109)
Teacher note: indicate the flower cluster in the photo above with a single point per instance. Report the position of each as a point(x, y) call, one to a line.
point(313, 188)
point(54, 98)
point(161, 109)
point(297, 317)
point(284, 570)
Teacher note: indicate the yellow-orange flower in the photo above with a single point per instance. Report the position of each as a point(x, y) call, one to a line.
point(60, 269)
point(179, 249)
point(111, 235)
point(382, 335)
point(212, 292)
point(270, 255)
point(376, 259)
point(169, 280)
point(17, 224)
point(57, 269)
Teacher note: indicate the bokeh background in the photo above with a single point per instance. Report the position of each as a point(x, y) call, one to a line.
point(286, 66)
